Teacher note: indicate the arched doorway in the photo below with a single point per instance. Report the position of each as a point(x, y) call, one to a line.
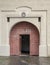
point(24, 39)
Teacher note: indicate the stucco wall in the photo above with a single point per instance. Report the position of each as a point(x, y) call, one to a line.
point(34, 4)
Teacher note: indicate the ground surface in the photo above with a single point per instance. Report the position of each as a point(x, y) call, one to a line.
point(24, 60)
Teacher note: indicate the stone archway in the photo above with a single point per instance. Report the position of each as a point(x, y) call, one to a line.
point(15, 41)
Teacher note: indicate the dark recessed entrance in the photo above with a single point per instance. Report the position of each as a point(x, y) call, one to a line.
point(25, 44)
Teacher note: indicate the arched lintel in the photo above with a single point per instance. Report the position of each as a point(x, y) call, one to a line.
point(24, 7)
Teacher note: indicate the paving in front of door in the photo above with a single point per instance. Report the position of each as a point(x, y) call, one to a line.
point(24, 60)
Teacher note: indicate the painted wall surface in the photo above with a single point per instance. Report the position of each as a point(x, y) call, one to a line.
point(39, 5)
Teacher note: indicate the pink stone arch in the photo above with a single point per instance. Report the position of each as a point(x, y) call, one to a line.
point(20, 28)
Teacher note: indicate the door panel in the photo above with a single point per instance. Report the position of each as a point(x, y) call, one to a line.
point(25, 43)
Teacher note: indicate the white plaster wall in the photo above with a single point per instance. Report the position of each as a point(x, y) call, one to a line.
point(34, 4)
